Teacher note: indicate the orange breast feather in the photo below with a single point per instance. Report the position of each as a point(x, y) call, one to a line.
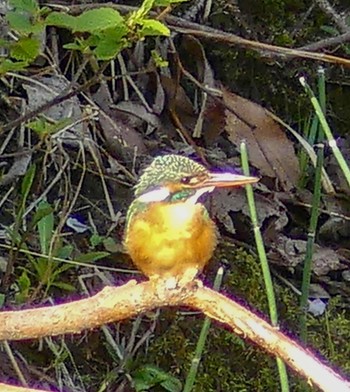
point(166, 239)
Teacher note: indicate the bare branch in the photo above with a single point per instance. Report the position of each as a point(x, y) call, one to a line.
point(12, 388)
point(328, 42)
point(118, 303)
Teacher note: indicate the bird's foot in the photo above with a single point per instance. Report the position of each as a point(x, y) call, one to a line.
point(175, 282)
point(171, 283)
point(188, 276)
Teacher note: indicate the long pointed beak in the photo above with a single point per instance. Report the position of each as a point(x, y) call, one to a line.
point(221, 180)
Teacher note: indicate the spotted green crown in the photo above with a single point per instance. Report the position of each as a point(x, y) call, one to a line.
point(167, 169)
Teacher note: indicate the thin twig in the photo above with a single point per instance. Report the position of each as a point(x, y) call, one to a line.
point(332, 13)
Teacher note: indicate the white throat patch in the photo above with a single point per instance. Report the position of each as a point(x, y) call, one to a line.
point(161, 194)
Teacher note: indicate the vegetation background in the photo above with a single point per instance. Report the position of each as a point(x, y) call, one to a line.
point(89, 92)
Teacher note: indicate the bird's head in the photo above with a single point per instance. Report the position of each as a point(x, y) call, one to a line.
point(175, 178)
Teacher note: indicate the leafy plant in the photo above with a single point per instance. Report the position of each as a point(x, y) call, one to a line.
point(25, 21)
point(44, 128)
point(104, 32)
point(46, 271)
point(149, 376)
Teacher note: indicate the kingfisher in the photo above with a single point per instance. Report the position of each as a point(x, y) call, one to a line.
point(169, 233)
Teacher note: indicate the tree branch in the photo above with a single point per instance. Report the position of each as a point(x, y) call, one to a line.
point(12, 388)
point(118, 303)
point(180, 25)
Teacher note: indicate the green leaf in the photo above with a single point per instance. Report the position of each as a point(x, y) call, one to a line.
point(2, 300)
point(45, 228)
point(24, 282)
point(109, 43)
point(137, 16)
point(27, 182)
point(172, 384)
point(80, 45)
point(151, 27)
point(148, 376)
point(61, 19)
point(91, 257)
point(110, 245)
point(64, 252)
point(22, 23)
point(64, 286)
point(38, 126)
point(330, 30)
point(95, 240)
point(165, 3)
point(19, 21)
point(43, 127)
point(8, 65)
point(158, 59)
point(62, 268)
point(30, 6)
point(92, 21)
point(40, 214)
point(107, 49)
point(40, 264)
point(26, 49)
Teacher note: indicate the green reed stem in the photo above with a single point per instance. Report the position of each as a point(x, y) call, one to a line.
point(322, 99)
point(326, 129)
point(264, 264)
point(313, 132)
point(305, 287)
point(191, 377)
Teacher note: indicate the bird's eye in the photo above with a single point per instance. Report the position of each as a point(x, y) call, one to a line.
point(186, 180)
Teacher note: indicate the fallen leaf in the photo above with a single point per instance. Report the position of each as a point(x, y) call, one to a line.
point(289, 252)
point(118, 128)
point(18, 168)
point(47, 88)
point(226, 201)
point(269, 148)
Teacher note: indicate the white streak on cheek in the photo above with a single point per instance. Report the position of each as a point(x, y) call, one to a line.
point(159, 194)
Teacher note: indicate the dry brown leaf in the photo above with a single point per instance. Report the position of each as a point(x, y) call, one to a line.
point(176, 96)
point(235, 200)
point(290, 252)
point(196, 54)
point(269, 149)
point(121, 136)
